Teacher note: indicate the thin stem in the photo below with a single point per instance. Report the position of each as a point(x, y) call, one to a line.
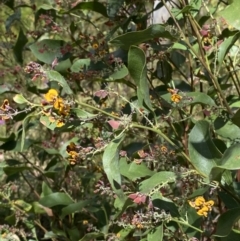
point(30, 185)
point(216, 85)
point(186, 224)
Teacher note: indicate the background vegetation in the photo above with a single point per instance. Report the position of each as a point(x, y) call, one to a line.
point(113, 128)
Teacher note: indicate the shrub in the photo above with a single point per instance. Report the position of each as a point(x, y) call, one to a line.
point(116, 129)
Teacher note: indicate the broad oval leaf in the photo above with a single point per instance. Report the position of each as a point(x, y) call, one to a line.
point(11, 170)
point(24, 205)
point(73, 208)
point(18, 98)
point(231, 158)
point(125, 41)
point(55, 199)
point(83, 115)
point(55, 76)
point(156, 233)
point(229, 14)
point(226, 129)
point(203, 153)
point(49, 49)
point(134, 171)
point(93, 6)
point(138, 71)
point(225, 47)
point(111, 161)
point(226, 222)
point(159, 178)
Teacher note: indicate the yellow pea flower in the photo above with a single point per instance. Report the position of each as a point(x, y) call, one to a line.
point(51, 95)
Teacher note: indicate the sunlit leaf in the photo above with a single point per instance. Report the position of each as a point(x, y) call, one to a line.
point(55, 76)
point(55, 199)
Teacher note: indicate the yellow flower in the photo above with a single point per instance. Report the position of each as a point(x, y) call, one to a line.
point(176, 98)
point(209, 204)
point(51, 95)
point(199, 201)
point(64, 110)
point(85, 222)
point(5, 105)
point(60, 123)
point(201, 205)
point(58, 103)
point(203, 211)
point(73, 154)
point(95, 46)
point(71, 147)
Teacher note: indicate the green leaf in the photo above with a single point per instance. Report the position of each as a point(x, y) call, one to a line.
point(225, 47)
point(125, 41)
point(196, 98)
point(55, 199)
point(25, 206)
point(229, 14)
point(203, 153)
point(6, 88)
point(83, 65)
point(80, 65)
point(19, 46)
point(55, 76)
point(225, 128)
point(228, 200)
point(226, 222)
point(157, 179)
point(234, 235)
point(13, 170)
point(120, 73)
point(46, 190)
point(18, 98)
point(163, 203)
point(93, 6)
point(48, 49)
point(179, 46)
point(63, 151)
point(73, 208)
point(111, 161)
point(200, 98)
point(134, 171)
point(91, 236)
point(231, 158)
point(83, 115)
point(46, 122)
point(24, 125)
point(138, 71)
point(156, 234)
point(236, 118)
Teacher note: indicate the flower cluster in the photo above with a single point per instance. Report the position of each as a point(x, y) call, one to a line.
point(5, 110)
point(175, 97)
point(36, 71)
point(73, 153)
point(59, 105)
point(202, 206)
